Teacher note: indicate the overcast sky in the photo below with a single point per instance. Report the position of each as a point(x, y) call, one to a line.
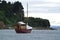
point(46, 9)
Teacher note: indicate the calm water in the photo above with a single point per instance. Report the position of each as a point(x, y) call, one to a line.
point(34, 35)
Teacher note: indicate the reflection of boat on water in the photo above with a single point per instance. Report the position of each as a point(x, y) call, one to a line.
point(21, 27)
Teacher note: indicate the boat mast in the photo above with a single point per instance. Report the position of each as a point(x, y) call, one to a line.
point(27, 13)
point(27, 10)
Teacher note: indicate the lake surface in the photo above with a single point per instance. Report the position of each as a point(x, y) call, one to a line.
point(34, 35)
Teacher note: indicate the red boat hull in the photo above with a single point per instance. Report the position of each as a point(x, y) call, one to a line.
point(23, 30)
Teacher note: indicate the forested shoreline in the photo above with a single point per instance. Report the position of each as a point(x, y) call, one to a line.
point(11, 13)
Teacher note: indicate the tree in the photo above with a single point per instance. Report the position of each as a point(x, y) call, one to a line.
point(17, 7)
point(18, 10)
point(12, 12)
point(38, 22)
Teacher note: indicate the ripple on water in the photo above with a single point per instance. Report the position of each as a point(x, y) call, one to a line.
point(34, 35)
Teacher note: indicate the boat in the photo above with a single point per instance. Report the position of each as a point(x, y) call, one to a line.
point(22, 27)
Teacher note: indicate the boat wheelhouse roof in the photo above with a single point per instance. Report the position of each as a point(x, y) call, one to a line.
point(21, 23)
point(27, 26)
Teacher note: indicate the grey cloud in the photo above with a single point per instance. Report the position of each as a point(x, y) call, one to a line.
point(45, 10)
point(42, 9)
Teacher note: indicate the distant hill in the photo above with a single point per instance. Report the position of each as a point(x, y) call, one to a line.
point(38, 22)
point(56, 27)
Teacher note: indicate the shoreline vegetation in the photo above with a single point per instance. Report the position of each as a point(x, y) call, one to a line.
point(39, 28)
point(10, 14)
point(34, 28)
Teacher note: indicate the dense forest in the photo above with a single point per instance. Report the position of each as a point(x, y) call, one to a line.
point(38, 22)
point(11, 13)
